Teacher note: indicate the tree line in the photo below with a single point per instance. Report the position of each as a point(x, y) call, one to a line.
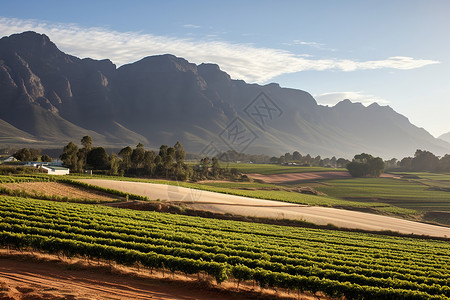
point(31, 154)
point(168, 162)
point(310, 161)
point(423, 161)
point(295, 157)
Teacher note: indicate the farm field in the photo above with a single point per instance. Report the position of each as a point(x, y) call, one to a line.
point(284, 193)
point(427, 194)
point(354, 265)
point(61, 190)
point(411, 199)
point(245, 189)
point(290, 178)
point(424, 199)
point(417, 191)
point(271, 169)
point(440, 177)
point(412, 195)
point(317, 269)
point(399, 192)
point(244, 206)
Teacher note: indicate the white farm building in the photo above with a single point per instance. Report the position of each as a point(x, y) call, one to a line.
point(54, 170)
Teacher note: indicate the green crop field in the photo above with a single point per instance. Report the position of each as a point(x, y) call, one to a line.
point(445, 177)
point(354, 265)
point(439, 180)
point(270, 169)
point(23, 178)
point(398, 192)
point(425, 193)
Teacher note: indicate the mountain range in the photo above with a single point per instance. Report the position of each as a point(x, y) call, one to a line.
point(48, 98)
point(445, 137)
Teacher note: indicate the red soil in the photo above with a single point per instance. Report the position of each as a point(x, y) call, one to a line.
point(291, 177)
point(39, 276)
point(309, 176)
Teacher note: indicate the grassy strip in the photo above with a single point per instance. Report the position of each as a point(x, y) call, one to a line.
point(102, 189)
point(24, 178)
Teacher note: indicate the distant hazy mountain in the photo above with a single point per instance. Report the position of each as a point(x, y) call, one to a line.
point(445, 137)
point(48, 98)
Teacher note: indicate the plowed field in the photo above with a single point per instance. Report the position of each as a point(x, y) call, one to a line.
point(61, 190)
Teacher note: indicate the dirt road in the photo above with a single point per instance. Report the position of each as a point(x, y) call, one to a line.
point(222, 203)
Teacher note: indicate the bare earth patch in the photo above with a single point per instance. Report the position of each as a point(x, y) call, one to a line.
point(310, 176)
point(260, 208)
point(61, 190)
point(292, 177)
point(40, 276)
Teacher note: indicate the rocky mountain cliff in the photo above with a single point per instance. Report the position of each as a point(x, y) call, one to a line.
point(48, 98)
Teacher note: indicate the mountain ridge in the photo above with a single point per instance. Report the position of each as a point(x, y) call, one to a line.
point(53, 97)
point(445, 137)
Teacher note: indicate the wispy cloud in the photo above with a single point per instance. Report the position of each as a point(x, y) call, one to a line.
point(191, 26)
point(312, 44)
point(315, 45)
point(242, 61)
point(335, 97)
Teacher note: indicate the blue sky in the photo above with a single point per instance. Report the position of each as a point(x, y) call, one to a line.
point(396, 53)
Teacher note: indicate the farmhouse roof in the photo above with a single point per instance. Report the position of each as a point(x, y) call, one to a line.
point(55, 167)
